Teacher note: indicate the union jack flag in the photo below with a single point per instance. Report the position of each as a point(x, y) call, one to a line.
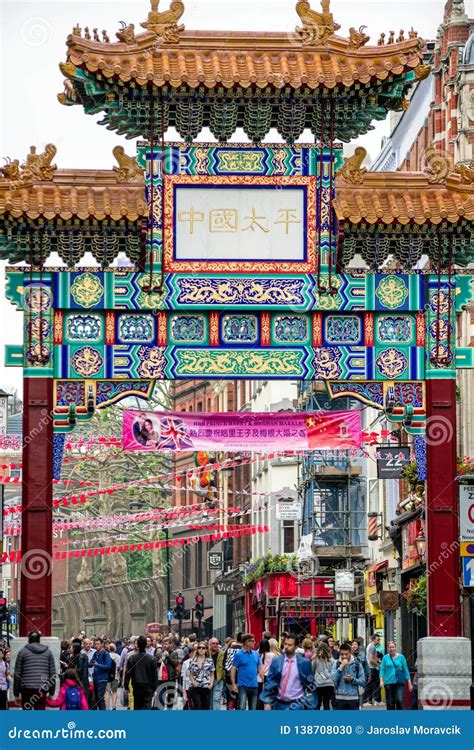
point(174, 436)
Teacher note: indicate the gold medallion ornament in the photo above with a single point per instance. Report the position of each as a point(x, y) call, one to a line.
point(86, 290)
point(87, 361)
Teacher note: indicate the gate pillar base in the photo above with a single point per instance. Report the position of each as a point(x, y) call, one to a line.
point(444, 673)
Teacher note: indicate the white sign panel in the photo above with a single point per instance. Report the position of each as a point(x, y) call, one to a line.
point(466, 513)
point(244, 223)
point(305, 551)
point(289, 511)
point(345, 582)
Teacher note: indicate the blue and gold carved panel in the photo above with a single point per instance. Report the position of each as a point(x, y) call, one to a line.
point(83, 328)
point(38, 328)
point(241, 292)
point(399, 363)
point(84, 290)
point(82, 361)
point(240, 330)
point(239, 363)
point(395, 329)
point(343, 330)
point(441, 328)
point(189, 329)
point(140, 362)
point(290, 329)
point(135, 328)
point(340, 362)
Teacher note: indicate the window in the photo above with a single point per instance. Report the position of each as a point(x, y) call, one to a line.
point(199, 553)
point(187, 568)
point(288, 537)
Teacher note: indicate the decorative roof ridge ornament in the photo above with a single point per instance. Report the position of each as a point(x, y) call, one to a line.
point(37, 167)
point(438, 165)
point(422, 71)
point(357, 39)
point(128, 169)
point(126, 33)
point(352, 170)
point(164, 24)
point(317, 28)
point(465, 172)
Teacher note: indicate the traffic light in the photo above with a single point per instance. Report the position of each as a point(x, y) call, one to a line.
point(199, 608)
point(3, 607)
point(179, 608)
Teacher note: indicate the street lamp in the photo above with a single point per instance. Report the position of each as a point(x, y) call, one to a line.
point(420, 543)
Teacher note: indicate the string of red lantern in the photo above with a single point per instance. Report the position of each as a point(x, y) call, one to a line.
point(15, 555)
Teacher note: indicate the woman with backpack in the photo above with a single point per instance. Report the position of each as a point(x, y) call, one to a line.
point(71, 696)
point(322, 668)
point(394, 675)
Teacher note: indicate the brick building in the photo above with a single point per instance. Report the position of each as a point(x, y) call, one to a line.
point(449, 124)
point(189, 573)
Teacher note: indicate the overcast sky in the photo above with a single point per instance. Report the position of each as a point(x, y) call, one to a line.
point(33, 36)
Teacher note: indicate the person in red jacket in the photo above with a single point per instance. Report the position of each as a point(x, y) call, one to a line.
point(71, 696)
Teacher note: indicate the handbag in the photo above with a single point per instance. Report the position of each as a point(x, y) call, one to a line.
point(399, 674)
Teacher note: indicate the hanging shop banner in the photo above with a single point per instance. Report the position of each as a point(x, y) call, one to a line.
point(242, 431)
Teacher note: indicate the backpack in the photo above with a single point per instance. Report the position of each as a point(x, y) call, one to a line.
point(112, 671)
point(73, 698)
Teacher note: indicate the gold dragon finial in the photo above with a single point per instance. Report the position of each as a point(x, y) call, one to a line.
point(126, 33)
point(466, 173)
point(438, 165)
point(128, 169)
point(317, 27)
point(36, 167)
point(358, 38)
point(11, 170)
point(39, 166)
point(352, 170)
point(164, 24)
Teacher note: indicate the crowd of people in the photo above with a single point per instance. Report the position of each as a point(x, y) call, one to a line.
point(168, 673)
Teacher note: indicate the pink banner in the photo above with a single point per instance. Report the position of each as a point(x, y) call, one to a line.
point(241, 431)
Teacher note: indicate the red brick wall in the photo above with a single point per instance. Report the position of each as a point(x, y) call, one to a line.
point(441, 127)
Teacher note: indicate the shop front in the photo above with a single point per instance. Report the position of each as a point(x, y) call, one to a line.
point(280, 602)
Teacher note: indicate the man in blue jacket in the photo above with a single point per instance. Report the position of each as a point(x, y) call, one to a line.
point(101, 663)
point(289, 685)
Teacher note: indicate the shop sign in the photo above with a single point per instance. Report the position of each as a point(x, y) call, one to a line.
point(345, 582)
point(391, 461)
point(292, 511)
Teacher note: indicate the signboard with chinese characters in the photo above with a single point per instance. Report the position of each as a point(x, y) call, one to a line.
point(232, 224)
point(391, 461)
point(466, 513)
point(289, 511)
point(215, 561)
